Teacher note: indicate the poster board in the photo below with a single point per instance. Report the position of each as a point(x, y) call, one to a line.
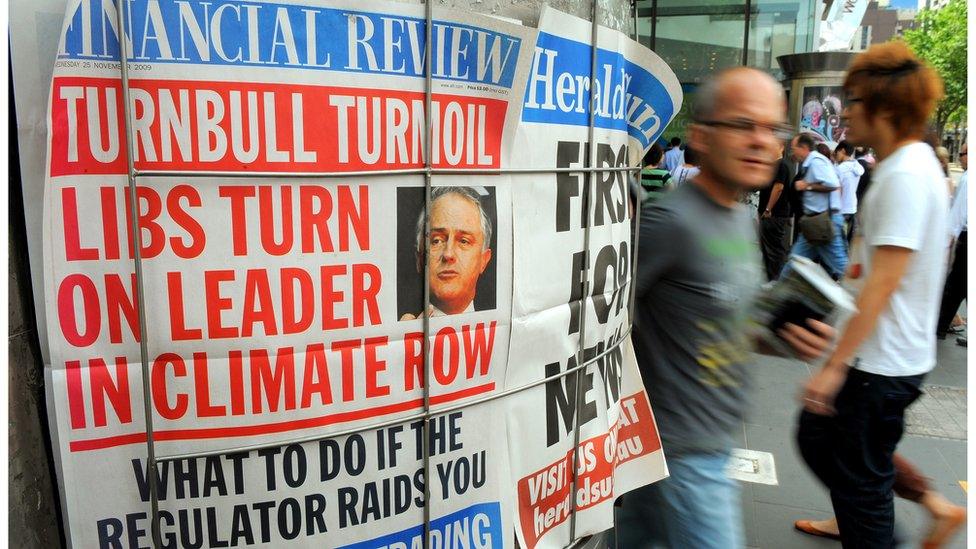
point(280, 198)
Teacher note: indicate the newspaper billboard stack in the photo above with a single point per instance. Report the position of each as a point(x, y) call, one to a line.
point(279, 151)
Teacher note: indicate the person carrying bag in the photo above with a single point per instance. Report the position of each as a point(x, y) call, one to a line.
point(821, 236)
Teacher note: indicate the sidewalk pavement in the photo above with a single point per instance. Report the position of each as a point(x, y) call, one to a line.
point(769, 511)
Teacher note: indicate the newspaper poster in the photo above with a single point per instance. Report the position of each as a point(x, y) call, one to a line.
point(635, 96)
point(283, 302)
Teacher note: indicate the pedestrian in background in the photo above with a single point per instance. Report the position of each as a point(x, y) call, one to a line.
point(849, 172)
point(675, 156)
point(776, 221)
point(824, 150)
point(687, 170)
point(653, 179)
point(821, 195)
point(955, 287)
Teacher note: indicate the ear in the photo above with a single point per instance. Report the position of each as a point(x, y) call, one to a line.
point(697, 135)
point(485, 258)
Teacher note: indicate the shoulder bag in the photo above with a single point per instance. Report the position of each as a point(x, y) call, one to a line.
point(818, 228)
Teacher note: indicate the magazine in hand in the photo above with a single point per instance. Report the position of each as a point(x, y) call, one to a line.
point(806, 292)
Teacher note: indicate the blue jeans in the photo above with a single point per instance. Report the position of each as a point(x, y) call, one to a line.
point(697, 507)
point(832, 255)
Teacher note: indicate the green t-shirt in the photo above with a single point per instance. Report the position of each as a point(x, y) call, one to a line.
point(655, 181)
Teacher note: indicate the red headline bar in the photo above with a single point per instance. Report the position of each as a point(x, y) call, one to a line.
point(246, 127)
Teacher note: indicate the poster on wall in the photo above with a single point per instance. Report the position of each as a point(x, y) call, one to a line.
point(820, 114)
point(551, 320)
point(284, 284)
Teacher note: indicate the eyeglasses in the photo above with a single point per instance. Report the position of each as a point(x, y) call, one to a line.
point(746, 126)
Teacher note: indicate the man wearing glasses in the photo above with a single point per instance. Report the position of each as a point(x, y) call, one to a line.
point(820, 187)
point(698, 270)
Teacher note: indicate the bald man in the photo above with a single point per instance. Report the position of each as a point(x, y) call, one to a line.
point(698, 271)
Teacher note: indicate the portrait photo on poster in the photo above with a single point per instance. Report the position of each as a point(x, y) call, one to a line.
point(462, 243)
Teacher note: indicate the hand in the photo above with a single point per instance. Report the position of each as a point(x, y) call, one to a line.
point(821, 390)
point(810, 342)
point(767, 214)
point(801, 185)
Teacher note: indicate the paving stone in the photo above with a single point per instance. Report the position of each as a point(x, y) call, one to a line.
point(935, 440)
point(939, 412)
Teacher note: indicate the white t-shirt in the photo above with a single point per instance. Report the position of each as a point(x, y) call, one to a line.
point(906, 207)
point(849, 172)
point(958, 212)
point(682, 174)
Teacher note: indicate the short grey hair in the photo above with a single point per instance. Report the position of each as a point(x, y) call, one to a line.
point(464, 192)
point(707, 94)
point(706, 99)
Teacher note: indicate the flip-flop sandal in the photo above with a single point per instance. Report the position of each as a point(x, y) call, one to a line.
point(807, 527)
point(956, 329)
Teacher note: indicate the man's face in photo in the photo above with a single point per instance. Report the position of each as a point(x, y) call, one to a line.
point(458, 252)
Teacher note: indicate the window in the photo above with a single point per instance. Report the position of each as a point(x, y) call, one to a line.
point(778, 27)
point(699, 37)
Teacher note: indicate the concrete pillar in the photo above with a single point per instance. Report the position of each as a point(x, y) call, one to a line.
point(813, 81)
point(32, 501)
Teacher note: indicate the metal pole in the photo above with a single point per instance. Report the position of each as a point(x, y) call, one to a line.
point(140, 294)
point(635, 227)
point(588, 186)
point(745, 35)
point(428, 135)
point(633, 6)
point(413, 171)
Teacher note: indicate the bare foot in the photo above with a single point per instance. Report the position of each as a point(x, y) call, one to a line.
point(946, 519)
point(828, 526)
point(822, 528)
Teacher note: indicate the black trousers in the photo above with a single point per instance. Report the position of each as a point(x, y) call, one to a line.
point(775, 239)
point(850, 219)
point(955, 288)
point(851, 453)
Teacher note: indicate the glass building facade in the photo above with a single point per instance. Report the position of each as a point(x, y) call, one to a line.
point(699, 37)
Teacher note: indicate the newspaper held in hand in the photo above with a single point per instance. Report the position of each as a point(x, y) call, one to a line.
point(806, 292)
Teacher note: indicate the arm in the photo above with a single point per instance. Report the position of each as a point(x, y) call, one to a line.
point(774, 195)
point(802, 185)
point(889, 264)
point(822, 177)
